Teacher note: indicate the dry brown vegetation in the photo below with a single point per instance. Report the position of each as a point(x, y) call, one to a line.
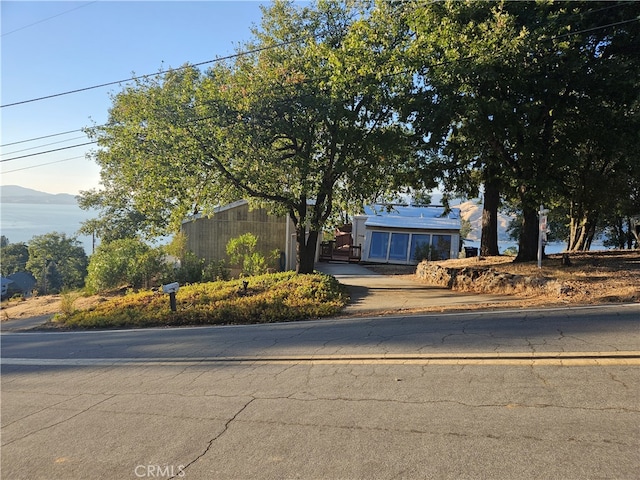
point(593, 277)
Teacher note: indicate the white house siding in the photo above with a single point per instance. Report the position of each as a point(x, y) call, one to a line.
point(394, 236)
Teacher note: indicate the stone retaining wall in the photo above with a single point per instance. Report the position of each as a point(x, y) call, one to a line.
point(485, 280)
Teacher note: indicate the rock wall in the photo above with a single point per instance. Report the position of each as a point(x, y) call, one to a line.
point(485, 280)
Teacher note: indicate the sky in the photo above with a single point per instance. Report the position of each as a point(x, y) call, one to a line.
point(54, 47)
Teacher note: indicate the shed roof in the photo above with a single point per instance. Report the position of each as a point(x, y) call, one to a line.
point(411, 217)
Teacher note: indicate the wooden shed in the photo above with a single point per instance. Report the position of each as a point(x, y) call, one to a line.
point(207, 237)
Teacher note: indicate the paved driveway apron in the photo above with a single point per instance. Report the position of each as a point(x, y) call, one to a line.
point(373, 292)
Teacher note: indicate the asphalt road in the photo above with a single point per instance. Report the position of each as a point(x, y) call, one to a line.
point(523, 394)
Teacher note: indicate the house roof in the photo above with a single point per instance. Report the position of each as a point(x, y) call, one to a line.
point(411, 217)
point(25, 281)
point(219, 209)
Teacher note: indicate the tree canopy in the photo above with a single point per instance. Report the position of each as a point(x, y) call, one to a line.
point(57, 262)
point(333, 104)
point(295, 123)
point(526, 94)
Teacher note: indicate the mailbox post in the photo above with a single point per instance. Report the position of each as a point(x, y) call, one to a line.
point(171, 289)
point(542, 232)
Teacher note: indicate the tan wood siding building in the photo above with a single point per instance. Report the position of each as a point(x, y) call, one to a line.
point(207, 237)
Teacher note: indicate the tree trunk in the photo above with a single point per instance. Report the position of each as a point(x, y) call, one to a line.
point(305, 249)
point(489, 236)
point(528, 243)
point(582, 232)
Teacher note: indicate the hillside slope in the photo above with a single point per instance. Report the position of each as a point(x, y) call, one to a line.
point(471, 210)
point(17, 194)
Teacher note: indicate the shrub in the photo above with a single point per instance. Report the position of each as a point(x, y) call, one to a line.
point(275, 297)
point(67, 300)
point(215, 270)
point(124, 262)
point(241, 251)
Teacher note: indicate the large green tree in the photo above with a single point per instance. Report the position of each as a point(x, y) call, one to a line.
point(57, 262)
point(510, 89)
point(299, 121)
point(123, 263)
point(14, 257)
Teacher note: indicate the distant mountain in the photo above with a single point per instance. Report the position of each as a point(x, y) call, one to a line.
point(472, 210)
point(16, 194)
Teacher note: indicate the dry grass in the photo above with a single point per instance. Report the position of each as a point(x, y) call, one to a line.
point(43, 305)
point(592, 277)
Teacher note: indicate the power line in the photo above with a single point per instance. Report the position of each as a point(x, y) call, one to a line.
point(45, 19)
point(40, 146)
point(586, 30)
point(48, 151)
point(40, 138)
point(257, 50)
point(162, 72)
point(43, 164)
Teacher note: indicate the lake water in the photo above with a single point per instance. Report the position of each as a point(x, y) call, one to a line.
point(20, 222)
point(551, 247)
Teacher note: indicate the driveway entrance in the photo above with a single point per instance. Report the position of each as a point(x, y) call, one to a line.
point(375, 293)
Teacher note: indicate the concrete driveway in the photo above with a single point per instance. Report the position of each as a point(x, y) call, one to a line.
point(374, 293)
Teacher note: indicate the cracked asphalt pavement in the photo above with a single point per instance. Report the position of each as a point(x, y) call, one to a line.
point(524, 394)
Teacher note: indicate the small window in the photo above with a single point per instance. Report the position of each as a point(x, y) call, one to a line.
point(419, 247)
point(399, 246)
point(441, 247)
point(379, 245)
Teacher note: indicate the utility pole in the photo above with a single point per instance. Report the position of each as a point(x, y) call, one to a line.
point(44, 277)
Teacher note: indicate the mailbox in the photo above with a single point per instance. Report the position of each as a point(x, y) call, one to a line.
point(170, 287)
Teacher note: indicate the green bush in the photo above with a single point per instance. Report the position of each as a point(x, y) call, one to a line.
point(215, 270)
point(276, 297)
point(242, 252)
point(122, 262)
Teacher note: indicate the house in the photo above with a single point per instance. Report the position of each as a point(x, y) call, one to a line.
point(383, 234)
point(207, 237)
point(22, 282)
point(4, 283)
point(403, 234)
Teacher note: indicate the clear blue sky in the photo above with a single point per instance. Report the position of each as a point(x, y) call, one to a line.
point(52, 47)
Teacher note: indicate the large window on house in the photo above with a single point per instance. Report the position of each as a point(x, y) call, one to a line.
point(379, 245)
point(399, 245)
point(441, 247)
point(419, 247)
point(409, 247)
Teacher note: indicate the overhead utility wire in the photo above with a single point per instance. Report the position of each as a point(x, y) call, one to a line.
point(255, 51)
point(45, 19)
point(162, 72)
point(40, 146)
point(40, 138)
point(48, 151)
point(586, 30)
point(43, 164)
point(246, 53)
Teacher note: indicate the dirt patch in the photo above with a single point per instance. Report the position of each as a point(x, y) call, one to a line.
point(591, 277)
point(43, 306)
